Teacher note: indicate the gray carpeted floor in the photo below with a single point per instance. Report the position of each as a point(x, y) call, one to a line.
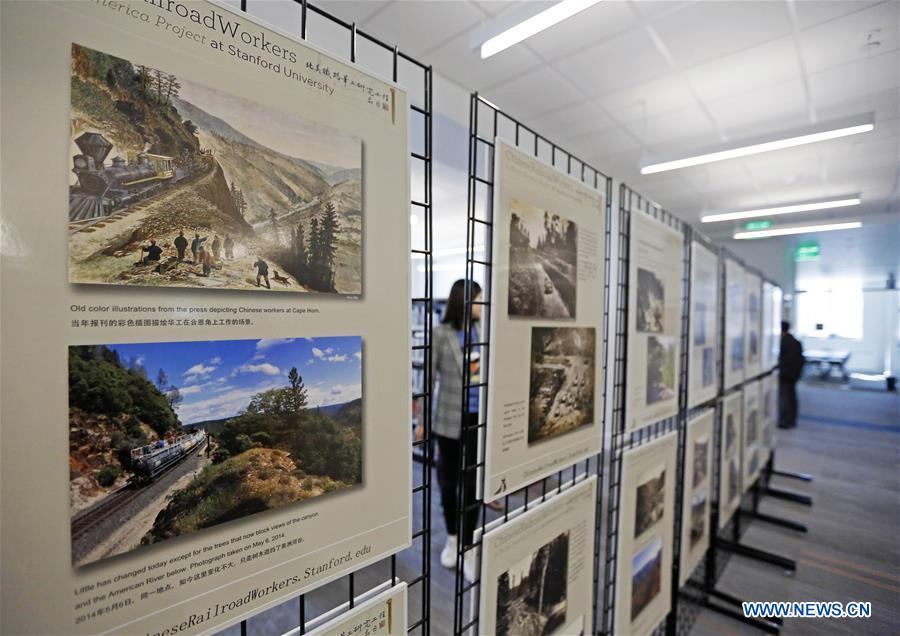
point(848, 440)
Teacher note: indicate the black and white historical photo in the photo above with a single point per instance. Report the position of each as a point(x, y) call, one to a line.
point(531, 595)
point(661, 377)
point(709, 366)
point(699, 323)
point(734, 478)
point(737, 353)
point(701, 457)
point(646, 576)
point(698, 517)
point(543, 263)
point(561, 387)
point(650, 502)
point(651, 302)
point(730, 433)
point(751, 424)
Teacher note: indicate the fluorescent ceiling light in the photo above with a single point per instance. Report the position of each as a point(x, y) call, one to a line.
point(806, 229)
point(782, 209)
point(534, 25)
point(797, 137)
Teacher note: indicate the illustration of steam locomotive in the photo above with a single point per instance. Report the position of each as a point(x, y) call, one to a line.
point(149, 461)
point(103, 189)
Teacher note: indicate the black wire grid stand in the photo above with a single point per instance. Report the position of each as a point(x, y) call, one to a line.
point(387, 60)
point(487, 122)
point(631, 202)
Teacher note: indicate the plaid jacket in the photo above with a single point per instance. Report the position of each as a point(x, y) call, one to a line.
point(446, 381)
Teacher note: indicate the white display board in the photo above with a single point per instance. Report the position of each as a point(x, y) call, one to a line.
point(697, 492)
point(225, 443)
point(536, 569)
point(775, 339)
point(654, 321)
point(769, 352)
point(730, 444)
point(646, 530)
point(384, 614)
point(734, 359)
point(753, 343)
point(703, 372)
point(545, 378)
point(752, 451)
point(769, 387)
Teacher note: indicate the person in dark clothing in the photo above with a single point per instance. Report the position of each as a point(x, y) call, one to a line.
point(229, 247)
point(262, 271)
point(196, 246)
point(153, 253)
point(181, 244)
point(790, 370)
point(217, 248)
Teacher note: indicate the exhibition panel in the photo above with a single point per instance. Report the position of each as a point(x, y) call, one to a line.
point(645, 535)
point(730, 444)
point(542, 216)
point(753, 343)
point(654, 329)
point(696, 492)
point(382, 615)
point(547, 322)
point(703, 372)
point(751, 444)
point(259, 455)
point(735, 307)
point(534, 566)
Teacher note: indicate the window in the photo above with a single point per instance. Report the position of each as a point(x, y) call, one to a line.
point(830, 309)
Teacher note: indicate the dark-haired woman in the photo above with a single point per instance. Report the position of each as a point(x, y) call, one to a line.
point(448, 340)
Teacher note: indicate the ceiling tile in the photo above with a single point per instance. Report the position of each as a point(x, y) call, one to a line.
point(533, 93)
point(358, 11)
point(648, 100)
point(668, 133)
point(857, 80)
point(769, 63)
point(421, 26)
point(571, 119)
point(623, 61)
point(768, 110)
point(589, 27)
point(459, 62)
point(813, 12)
point(844, 40)
point(708, 30)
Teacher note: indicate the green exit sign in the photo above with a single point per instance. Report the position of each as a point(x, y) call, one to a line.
point(757, 225)
point(807, 251)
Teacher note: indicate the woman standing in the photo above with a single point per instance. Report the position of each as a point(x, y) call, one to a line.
point(448, 340)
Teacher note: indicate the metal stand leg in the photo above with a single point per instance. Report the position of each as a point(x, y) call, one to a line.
point(789, 495)
point(760, 555)
point(778, 521)
point(791, 475)
point(738, 615)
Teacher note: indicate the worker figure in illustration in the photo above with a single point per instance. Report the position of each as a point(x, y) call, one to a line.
point(262, 272)
point(196, 246)
point(206, 260)
point(181, 244)
point(153, 253)
point(229, 247)
point(217, 248)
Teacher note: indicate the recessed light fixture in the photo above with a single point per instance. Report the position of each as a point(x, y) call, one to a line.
point(806, 229)
point(783, 209)
point(797, 137)
point(534, 25)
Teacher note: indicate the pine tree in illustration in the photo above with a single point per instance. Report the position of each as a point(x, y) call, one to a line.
point(503, 604)
point(329, 228)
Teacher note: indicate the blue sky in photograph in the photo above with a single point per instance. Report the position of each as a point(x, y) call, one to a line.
point(217, 378)
point(643, 557)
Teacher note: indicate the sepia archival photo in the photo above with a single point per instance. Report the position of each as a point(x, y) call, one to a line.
point(561, 387)
point(646, 576)
point(531, 595)
point(701, 461)
point(661, 376)
point(650, 502)
point(543, 263)
point(651, 302)
point(176, 184)
point(698, 517)
point(170, 438)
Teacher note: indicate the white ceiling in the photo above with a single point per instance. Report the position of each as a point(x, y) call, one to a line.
point(625, 81)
